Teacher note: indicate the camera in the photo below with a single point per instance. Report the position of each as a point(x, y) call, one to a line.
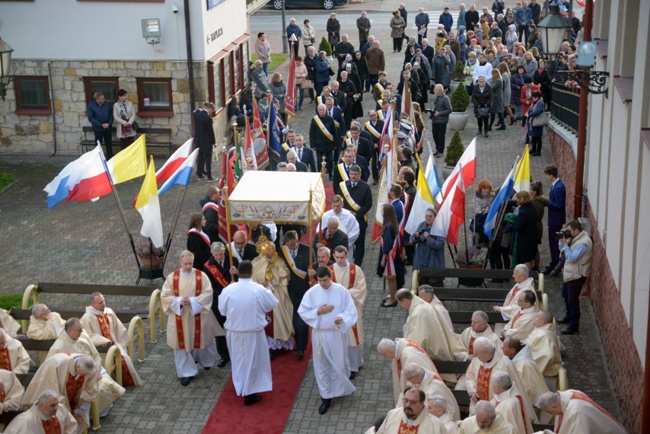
point(174, 8)
point(563, 234)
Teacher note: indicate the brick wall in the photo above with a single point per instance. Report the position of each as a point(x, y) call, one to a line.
point(622, 357)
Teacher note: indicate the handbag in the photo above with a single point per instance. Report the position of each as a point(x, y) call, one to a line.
point(307, 84)
point(483, 112)
point(135, 126)
point(540, 120)
point(331, 72)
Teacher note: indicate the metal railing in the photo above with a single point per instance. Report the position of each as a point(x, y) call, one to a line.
point(564, 106)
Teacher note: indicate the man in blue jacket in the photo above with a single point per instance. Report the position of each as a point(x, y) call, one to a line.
point(523, 17)
point(100, 115)
point(294, 29)
point(446, 20)
point(556, 214)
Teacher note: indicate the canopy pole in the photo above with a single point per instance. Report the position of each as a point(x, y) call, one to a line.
point(226, 201)
point(311, 229)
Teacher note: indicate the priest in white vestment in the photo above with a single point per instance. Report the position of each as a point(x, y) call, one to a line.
point(13, 356)
point(44, 325)
point(11, 393)
point(351, 277)
point(523, 321)
point(412, 417)
point(522, 283)
point(329, 309)
point(403, 352)
point(488, 360)
point(270, 271)
point(71, 375)
point(437, 406)
point(347, 223)
point(432, 384)
point(479, 328)
point(104, 327)
point(544, 346)
point(526, 368)
point(8, 323)
point(46, 416)
point(508, 402)
point(427, 293)
point(191, 325)
point(486, 421)
point(245, 305)
point(74, 339)
point(577, 413)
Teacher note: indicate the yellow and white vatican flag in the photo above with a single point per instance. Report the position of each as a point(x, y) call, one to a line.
point(421, 203)
point(522, 172)
point(149, 208)
point(129, 163)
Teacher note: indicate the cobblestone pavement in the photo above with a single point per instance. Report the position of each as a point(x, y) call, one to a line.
point(86, 243)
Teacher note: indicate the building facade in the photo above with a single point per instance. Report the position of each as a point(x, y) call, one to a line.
point(67, 50)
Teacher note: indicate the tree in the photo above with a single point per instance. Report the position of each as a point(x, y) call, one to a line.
point(455, 149)
point(459, 99)
point(325, 46)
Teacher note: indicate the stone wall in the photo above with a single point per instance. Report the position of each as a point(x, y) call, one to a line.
point(622, 357)
point(35, 134)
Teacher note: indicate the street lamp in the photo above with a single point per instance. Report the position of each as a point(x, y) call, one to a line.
point(552, 29)
point(5, 63)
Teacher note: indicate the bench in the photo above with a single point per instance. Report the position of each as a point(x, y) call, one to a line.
point(470, 273)
point(158, 138)
point(88, 142)
point(134, 320)
point(490, 295)
point(155, 304)
point(465, 317)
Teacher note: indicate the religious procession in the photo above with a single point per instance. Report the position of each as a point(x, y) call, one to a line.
point(343, 268)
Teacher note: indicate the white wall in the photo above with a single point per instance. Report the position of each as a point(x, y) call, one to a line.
point(68, 29)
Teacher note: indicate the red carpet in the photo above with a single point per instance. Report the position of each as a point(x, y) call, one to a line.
point(230, 416)
point(329, 192)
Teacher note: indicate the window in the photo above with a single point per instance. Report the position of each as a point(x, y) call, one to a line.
point(155, 97)
point(228, 73)
point(245, 69)
point(106, 85)
point(32, 95)
point(226, 77)
point(218, 88)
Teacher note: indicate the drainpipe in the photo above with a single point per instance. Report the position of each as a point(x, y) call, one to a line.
point(190, 65)
point(49, 72)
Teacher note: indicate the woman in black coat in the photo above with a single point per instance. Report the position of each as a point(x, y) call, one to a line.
point(541, 77)
point(310, 62)
point(198, 242)
point(482, 99)
point(526, 229)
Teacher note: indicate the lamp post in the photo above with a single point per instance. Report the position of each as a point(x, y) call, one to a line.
point(5, 63)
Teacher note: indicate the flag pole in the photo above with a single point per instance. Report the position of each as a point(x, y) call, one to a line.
point(451, 253)
point(499, 219)
point(224, 195)
point(175, 221)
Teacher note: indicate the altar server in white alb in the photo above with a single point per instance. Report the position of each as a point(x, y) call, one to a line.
point(329, 309)
point(191, 325)
point(245, 305)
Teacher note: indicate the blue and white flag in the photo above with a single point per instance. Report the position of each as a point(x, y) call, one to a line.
point(500, 199)
point(274, 131)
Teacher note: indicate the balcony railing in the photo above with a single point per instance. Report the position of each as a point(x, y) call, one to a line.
point(564, 107)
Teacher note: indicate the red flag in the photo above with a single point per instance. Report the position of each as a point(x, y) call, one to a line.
point(290, 101)
point(223, 221)
point(468, 163)
point(457, 208)
point(249, 152)
point(259, 140)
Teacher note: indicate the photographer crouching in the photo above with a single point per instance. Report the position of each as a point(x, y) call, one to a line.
point(576, 246)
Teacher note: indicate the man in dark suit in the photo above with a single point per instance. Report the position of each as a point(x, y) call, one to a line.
point(292, 158)
point(374, 127)
point(358, 200)
point(336, 113)
point(323, 137)
point(304, 154)
point(297, 257)
point(556, 214)
point(221, 273)
point(204, 140)
point(342, 169)
point(288, 145)
point(241, 249)
point(337, 94)
point(331, 236)
point(361, 144)
point(211, 213)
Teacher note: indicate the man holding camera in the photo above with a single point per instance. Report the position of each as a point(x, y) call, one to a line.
point(577, 248)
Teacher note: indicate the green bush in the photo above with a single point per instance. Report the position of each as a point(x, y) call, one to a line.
point(459, 72)
point(459, 99)
point(454, 150)
point(5, 180)
point(325, 46)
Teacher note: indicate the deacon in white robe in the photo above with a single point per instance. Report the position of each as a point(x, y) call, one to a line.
point(191, 325)
point(522, 283)
point(486, 421)
point(508, 402)
point(104, 327)
point(46, 416)
point(413, 417)
point(13, 356)
point(329, 309)
point(544, 346)
point(44, 325)
point(71, 375)
point(351, 277)
point(526, 367)
point(8, 323)
point(245, 305)
point(11, 392)
point(403, 352)
point(432, 385)
point(523, 321)
point(577, 413)
point(74, 339)
point(437, 406)
point(347, 223)
point(426, 293)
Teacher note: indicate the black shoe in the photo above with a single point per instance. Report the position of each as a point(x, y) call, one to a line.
point(324, 406)
point(486, 134)
point(547, 270)
point(201, 176)
point(252, 399)
point(211, 179)
point(301, 354)
point(480, 132)
point(564, 320)
point(570, 330)
point(223, 362)
point(185, 381)
point(502, 127)
point(353, 374)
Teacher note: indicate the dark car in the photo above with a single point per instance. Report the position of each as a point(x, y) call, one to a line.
point(325, 4)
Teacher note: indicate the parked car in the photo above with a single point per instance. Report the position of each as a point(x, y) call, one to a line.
point(325, 4)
